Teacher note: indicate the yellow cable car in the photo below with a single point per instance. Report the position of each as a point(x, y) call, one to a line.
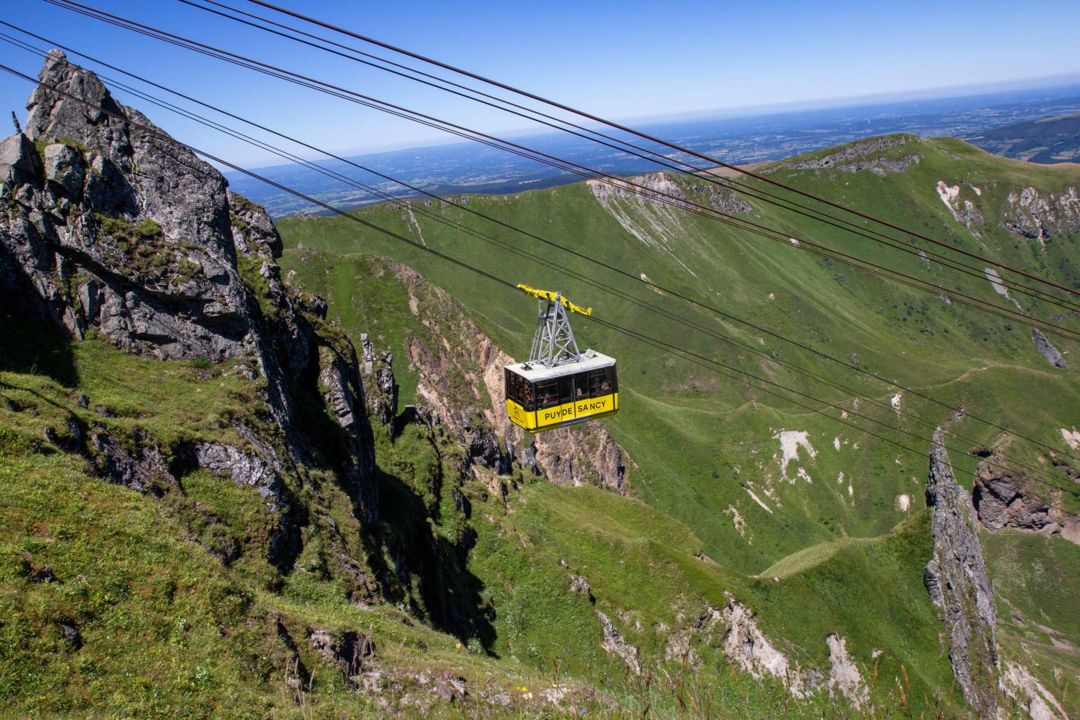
point(559, 385)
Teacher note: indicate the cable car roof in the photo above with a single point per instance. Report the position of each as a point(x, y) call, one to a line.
point(534, 372)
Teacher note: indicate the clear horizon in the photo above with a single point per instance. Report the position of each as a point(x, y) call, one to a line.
point(628, 60)
point(869, 101)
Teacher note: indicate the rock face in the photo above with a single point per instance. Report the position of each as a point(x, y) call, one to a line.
point(1030, 694)
point(1046, 349)
point(1004, 499)
point(964, 210)
point(142, 468)
point(1041, 215)
point(660, 188)
point(146, 257)
point(382, 392)
point(617, 645)
point(860, 156)
point(657, 187)
point(959, 586)
point(747, 646)
point(259, 467)
point(116, 227)
point(348, 650)
point(344, 396)
point(723, 200)
point(844, 676)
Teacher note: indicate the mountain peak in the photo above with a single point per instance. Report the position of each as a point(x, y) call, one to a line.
point(72, 103)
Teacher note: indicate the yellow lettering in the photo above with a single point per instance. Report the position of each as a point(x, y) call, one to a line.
point(591, 407)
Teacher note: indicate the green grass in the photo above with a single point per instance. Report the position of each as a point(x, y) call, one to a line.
point(809, 557)
point(1035, 580)
point(170, 629)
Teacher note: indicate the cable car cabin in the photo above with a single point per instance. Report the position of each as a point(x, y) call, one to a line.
point(542, 398)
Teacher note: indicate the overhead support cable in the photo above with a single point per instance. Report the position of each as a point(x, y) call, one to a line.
point(569, 166)
point(717, 311)
point(592, 135)
point(651, 138)
point(686, 354)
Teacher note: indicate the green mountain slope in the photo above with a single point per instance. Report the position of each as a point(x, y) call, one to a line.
point(705, 442)
point(707, 449)
point(760, 545)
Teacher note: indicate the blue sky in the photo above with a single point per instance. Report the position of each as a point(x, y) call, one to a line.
point(621, 59)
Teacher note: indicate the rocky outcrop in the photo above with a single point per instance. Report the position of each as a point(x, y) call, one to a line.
point(617, 645)
point(1041, 215)
point(381, 390)
point(349, 651)
point(1046, 349)
point(659, 187)
point(140, 465)
point(582, 456)
point(257, 466)
point(1005, 499)
point(845, 679)
point(723, 199)
point(964, 210)
point(253, 231)
point(679, 649)
point(343, 392)
point(959, 586)
point(121, 228)
point(747, 646)
point(111, 225)
point(579, 585)
point(19, 162)
point(864, 155)
point(649, 209)
point(1029, 694)
point(656, 186)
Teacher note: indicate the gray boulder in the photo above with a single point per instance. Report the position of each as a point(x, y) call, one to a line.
point(18, 160)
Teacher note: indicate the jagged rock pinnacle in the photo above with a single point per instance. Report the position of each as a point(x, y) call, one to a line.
point(959, 586)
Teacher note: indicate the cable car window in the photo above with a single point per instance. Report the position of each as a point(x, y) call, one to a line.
point(515, 387)
point(594, 383)
point(510, 384)
point(610, 383)
point(600, 382)
point(566, 389)
point(547, 394)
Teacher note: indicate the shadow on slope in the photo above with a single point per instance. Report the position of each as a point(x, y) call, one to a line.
point(36, 348)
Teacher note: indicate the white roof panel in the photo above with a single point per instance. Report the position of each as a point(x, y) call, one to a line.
point(534, 372)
